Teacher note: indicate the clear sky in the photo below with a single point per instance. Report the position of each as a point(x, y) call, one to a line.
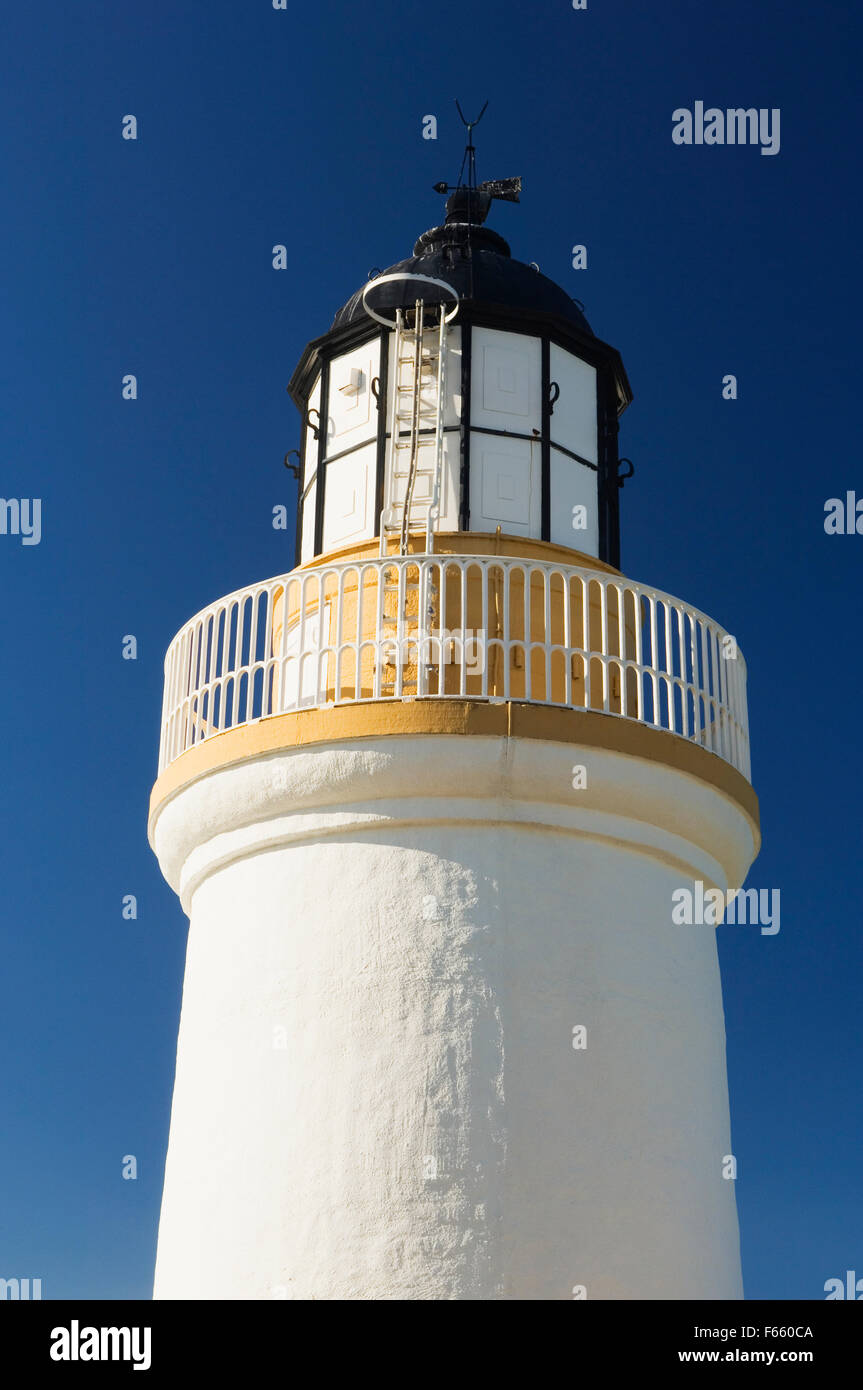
point(303, 127)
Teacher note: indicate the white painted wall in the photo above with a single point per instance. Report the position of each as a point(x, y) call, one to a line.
point(427, 919)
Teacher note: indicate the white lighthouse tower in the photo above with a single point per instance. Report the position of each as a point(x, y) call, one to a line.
point(426, 799)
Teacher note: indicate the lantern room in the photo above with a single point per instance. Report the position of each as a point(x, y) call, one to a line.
point(460, 391)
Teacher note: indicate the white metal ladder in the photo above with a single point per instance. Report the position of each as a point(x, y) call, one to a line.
point(406, 607)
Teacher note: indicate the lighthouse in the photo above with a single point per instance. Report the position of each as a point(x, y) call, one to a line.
point(427, 798)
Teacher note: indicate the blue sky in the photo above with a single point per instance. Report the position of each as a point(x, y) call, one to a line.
point(303, 127)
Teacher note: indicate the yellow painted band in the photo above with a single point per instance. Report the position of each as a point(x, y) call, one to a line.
point(464, 543)
point(511, 719)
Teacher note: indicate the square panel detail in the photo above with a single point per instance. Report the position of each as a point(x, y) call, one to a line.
point(506, 371)
point(349, 498)
point(505, 485)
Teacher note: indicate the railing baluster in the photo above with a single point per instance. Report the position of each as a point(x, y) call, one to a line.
point(670, 609)
point(681, 654)
point(705, 682)
point(566, 587)
point(504, 648)
point(585, 637)
point(465, 573)
point(603, 637)
point(654, 679)
point(718, 692)
point(621, 645)
point(546, 630)
point(639, 650)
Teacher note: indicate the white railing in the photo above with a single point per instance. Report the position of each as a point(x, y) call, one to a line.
point(455, 627)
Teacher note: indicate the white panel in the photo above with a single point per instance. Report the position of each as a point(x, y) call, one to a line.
point(573, 423)
point(450, 483)
point(352, 412)
point(310, 457)
point(505, 381)
point(307, 549)
point(505, 483)
point(573, 485)
point(452, 403)
point(350, 497)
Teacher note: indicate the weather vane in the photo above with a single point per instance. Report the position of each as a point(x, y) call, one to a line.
point(475, 200)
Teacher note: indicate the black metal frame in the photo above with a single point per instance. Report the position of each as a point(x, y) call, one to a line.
point(321, 470)
point(383, 407)
point(609, 487)
point(464, 425)
point(305, 484)
point(531, 439)
point(545, 439)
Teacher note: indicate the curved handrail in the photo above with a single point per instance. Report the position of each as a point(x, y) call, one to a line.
point(455, 626)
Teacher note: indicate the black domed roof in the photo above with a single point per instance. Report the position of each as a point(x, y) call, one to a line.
point(478, 264)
